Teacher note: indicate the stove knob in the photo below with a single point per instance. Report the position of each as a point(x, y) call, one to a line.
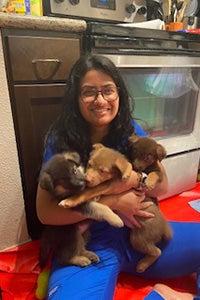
point(142, 10)
point(74, 2)
point(130, 8)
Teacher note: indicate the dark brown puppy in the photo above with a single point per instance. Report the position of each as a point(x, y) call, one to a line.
point(144, 155)
point(64, 176)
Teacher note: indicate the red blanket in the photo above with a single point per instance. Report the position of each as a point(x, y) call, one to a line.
point(19, 266)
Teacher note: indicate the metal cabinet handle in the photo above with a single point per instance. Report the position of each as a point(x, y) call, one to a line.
point(45, 69)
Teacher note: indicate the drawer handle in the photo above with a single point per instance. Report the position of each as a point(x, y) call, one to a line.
point(45, 69)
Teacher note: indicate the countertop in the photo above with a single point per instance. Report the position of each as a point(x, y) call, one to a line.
point(42, 23)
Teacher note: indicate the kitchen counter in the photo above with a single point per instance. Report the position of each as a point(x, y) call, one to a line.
point(42, 23)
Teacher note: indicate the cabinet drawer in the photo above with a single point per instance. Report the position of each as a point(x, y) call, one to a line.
point(42, 58)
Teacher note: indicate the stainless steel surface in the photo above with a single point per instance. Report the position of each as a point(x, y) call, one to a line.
point(138, 61)
point(192, 8)
point(109, 10)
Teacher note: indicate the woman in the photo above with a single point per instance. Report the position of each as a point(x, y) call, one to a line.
point(96, 109)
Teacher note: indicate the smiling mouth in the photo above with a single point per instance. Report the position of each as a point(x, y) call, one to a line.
point(100, 109)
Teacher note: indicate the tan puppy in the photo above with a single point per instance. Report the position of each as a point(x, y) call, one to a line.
point(104, 164)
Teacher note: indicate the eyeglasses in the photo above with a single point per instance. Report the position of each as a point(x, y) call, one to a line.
point(109, 93)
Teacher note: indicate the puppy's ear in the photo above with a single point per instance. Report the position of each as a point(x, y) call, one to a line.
point(161, 152)
point(97, 146)
point(46, 182)
point(74, 156)
point(133, 138)
point(124, 167)
point(150, 159)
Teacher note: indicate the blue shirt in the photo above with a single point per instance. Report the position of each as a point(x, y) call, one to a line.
point(49, 151)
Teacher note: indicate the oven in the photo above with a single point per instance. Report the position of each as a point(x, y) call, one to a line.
point(162, 72)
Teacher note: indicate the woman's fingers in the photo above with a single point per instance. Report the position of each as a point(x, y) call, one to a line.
point(145, 204)
point(144, 214)
point(130, 221)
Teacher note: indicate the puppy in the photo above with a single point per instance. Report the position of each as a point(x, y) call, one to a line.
point(144, 155)
point(63, 175)
point(104, 164)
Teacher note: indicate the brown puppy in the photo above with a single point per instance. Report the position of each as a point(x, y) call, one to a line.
point(63, 176)
point(104, 164)
point(144, 155)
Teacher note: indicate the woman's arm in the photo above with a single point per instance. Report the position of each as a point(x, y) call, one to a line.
point(119, 186)
point(128, 204)
point(125, 201)
point(50, 213)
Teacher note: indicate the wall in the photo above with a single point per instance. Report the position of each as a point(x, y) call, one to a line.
point(13, 228)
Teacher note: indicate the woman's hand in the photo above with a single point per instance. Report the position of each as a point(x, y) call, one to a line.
point(128, 205)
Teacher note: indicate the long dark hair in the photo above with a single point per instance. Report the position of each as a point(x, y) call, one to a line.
point(70, 131)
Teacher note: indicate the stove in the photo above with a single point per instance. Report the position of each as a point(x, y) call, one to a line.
point(98, 10)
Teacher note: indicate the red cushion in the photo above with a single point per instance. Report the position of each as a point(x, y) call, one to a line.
point(175, 208)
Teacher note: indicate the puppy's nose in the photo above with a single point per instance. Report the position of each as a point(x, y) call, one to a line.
point(89, 180)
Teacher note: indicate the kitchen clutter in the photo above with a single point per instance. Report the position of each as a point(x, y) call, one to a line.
point(176, 15)
point(22, 7)
point(183, 15)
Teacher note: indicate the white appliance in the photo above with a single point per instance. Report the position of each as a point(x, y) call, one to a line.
point(162, 72)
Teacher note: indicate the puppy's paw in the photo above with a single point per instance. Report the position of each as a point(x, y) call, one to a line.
point(116, 221)
point(141, 267)
point(66, 203)
point(124, 178)
point(148, 187)
point(97, 198)
point(127, 174)
point(149, 184)
point(80, 261)
point(92, 256)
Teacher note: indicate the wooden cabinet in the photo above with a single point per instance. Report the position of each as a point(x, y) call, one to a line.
point(37, 66)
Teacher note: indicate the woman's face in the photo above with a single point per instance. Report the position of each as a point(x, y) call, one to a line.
point(98, 112)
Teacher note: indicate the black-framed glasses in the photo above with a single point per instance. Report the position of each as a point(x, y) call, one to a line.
point(109, 93)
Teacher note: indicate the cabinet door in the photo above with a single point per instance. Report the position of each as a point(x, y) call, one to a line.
point(36, 107)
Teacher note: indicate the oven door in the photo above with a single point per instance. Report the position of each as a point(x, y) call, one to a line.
point(165, 96)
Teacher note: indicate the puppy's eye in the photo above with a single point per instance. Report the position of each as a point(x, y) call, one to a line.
point(74, 170)
point(102, 171)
